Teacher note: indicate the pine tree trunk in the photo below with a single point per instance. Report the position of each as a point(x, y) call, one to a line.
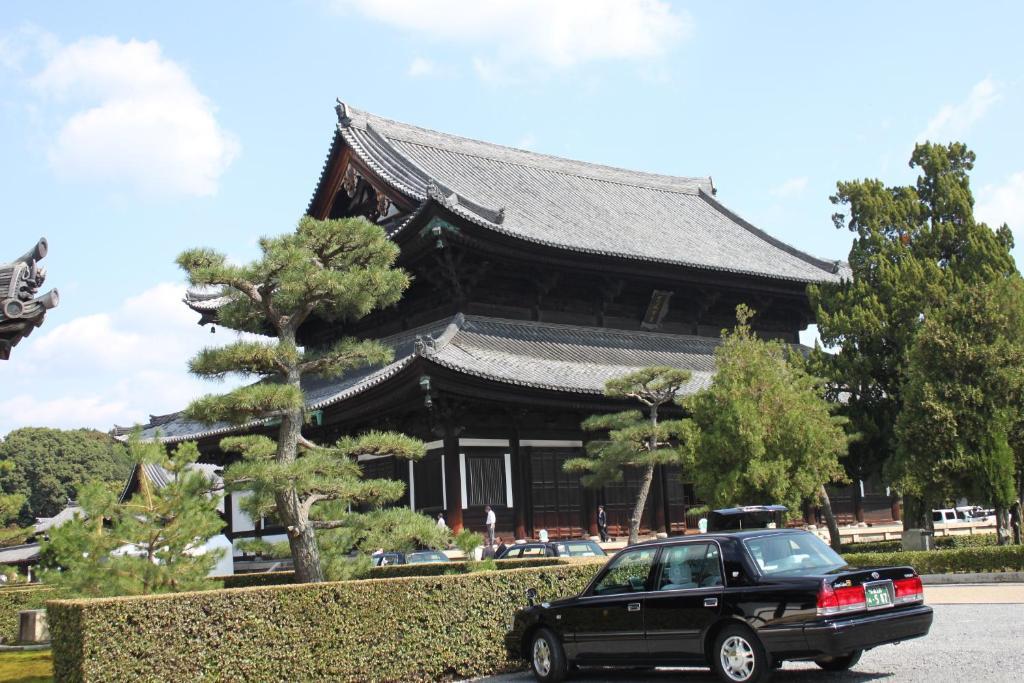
point(836, 541)
point(641, 502)
point(301, 536)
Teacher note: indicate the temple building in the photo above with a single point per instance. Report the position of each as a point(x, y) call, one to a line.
point(535, 280)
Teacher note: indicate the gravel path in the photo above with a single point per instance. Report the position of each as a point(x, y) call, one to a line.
point(967, 643)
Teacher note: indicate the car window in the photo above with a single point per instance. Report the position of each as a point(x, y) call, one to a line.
point(627, 573)
point(936, 516)
point(513, 552)
point(535, 551)
point(792, 554)
point(694, 565)
point(416, 558)
point(582, 549)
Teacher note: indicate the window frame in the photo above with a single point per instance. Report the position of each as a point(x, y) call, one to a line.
point(708, 543)
point(608, 568)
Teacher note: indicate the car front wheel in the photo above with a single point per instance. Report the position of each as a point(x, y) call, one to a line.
point(547, 658)
point(840, 663)
point(739, 657)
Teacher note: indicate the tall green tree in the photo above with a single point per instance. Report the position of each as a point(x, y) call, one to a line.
point(913, 246)
point(766, 433)
point(963, 396)
point(48, 466)
point(336, 270)
point(636, 440)
point(148, 544)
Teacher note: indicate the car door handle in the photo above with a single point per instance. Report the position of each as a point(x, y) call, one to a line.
point(633, 607)
point(711, 602)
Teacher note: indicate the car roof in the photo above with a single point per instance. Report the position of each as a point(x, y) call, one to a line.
point(751, 508)
point(720, 536)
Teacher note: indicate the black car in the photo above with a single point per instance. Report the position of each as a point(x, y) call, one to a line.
point(577, 548)
point(739, 602)
point(418, 557)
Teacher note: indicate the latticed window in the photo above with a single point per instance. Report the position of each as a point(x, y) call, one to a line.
point(485, 480)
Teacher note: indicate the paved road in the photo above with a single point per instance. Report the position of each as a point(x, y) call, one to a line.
point(967, 643)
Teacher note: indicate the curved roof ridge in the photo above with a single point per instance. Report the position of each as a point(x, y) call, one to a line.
point(590, 329)
point(417, 135)
point(828, 266)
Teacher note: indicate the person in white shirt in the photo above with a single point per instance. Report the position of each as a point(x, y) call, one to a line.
point(440, 521)
point(492, 520)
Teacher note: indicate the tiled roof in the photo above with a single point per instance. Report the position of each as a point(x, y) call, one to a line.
point(20, 554)
point(44, 524)
point(573, 204)
point(563, 358)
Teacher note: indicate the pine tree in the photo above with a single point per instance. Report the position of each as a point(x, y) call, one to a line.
point(635, 440)
point(914, 247)
point(335, 270)
point(766, 434)
point(148, 544)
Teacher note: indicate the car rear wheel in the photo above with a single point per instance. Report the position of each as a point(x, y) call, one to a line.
point(547, 658)
point(840, 663)
point(739, 657)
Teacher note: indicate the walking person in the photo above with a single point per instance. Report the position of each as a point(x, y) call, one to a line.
point(602, 523)
point(491, 521)
point(440, 521)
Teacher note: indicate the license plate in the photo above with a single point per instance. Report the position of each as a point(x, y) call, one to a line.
point(877, 596)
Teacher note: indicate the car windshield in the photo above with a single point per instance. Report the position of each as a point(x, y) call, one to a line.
point(792, 554)
point(425, 556)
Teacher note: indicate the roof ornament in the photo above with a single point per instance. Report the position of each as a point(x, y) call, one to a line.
point(350, 181)
point(20, 310)
point(343, 118)
point(499, 217)
point(425, 345)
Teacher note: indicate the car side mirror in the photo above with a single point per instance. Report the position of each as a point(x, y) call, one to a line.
point(531, 596)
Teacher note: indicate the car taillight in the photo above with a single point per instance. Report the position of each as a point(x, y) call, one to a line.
point(908, 590)
point(840, 600)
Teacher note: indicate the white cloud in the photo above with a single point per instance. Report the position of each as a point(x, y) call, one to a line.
point(555, 34)
point(1003, 203)
point(791, 187)
point(421, 66)
point(107, 368)
point(954, 120)
point(137, 120)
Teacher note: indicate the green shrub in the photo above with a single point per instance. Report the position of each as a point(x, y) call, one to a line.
point(979, 541)
point(994, 559)
point(258, 579)
point(873, 547)
point(392, 571)
point(411, 629)
point(14, 599)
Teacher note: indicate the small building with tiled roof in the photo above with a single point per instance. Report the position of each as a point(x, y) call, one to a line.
point(535, 280)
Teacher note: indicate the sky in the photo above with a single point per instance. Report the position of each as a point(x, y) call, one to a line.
point(131, 131)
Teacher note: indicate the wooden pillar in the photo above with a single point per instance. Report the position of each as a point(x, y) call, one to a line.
point(656, 500)
point(858, 500)
point(520, 500)
point(665, 502)
point(452, 479)
point(590, 501)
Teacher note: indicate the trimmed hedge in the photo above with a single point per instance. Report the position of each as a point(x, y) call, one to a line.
point(978, 541)
point(410, 629)
point(941, 543)
point(14, 599)
point(393, 571)
point(984, 559)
